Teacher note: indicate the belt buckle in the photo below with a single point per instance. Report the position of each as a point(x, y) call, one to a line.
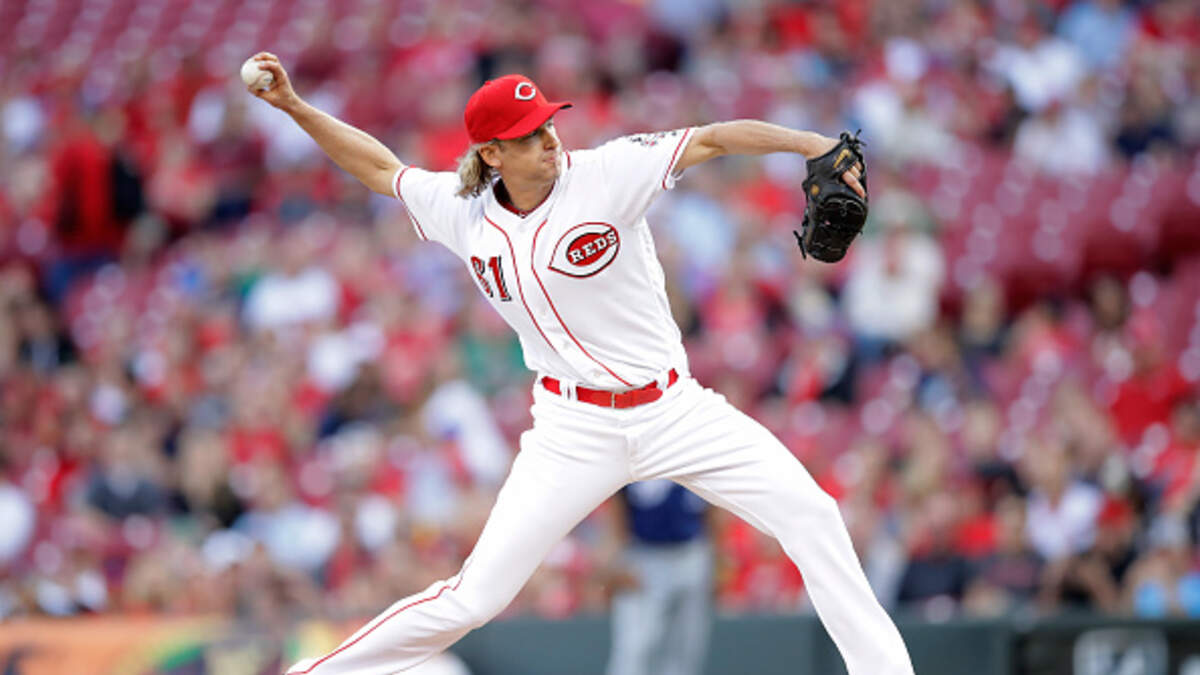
point(612, 399)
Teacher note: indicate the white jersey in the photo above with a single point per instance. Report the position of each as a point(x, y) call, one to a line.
point(578, 277)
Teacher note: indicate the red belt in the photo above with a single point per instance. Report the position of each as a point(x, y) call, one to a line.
point(614, 399)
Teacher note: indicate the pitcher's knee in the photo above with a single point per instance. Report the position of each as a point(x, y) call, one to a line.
point(818, 507)
point(478, 608)
point(826, 507)
point(798, 518)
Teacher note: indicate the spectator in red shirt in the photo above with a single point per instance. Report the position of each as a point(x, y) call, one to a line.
point(1147, 396)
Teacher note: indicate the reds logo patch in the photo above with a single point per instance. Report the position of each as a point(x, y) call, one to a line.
point(585, 249)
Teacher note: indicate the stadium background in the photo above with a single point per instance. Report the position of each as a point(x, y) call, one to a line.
point(232, 385)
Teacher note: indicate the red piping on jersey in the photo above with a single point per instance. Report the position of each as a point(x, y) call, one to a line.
point(520, 290)
point(562, 323)
point(568, 158)
point(417, 223)
point(675, 157)
point(410, 605)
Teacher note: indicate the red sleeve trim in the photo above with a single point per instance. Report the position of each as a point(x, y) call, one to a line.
point(396, 182)
point(675, 157)
point(411, 215)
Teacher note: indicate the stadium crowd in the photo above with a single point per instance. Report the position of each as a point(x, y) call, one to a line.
point(232, 381)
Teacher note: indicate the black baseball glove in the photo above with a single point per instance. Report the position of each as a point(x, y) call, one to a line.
point(834, 214)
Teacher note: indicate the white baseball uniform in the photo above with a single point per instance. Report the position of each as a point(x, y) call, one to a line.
point(579, 280)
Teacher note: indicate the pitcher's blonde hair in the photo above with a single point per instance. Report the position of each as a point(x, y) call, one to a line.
point(474, 174)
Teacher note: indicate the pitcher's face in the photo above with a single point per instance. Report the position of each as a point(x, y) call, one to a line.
point(533, 158)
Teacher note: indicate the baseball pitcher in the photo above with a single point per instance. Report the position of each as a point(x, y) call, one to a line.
point(558, 243)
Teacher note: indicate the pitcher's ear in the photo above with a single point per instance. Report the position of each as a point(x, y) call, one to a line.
point(490, 153)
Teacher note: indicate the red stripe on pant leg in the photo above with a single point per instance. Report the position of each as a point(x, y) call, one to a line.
point(385, 619)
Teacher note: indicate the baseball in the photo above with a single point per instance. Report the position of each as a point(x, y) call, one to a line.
point(253, 77)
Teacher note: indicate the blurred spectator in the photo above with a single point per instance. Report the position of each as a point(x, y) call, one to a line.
point(1006, 580)
point(980, 436)
point(1062, 510)
point(937, 575)
point(1093, 579)
point(490, 353)
point(88, 220)
point(182, 190)
point(1165, 582)
point(1176, 471)
point(19, 516)
point(456, 412)
point(1186, 112)
point(301, 292)
point(1146, 122)
point(125, 482)
point(1061, 140)
point(203, 484)
point(1040, 67)
point(24, 122)
point(1102, 29)
point(895, 277)
point(362, 401)
point(45, 347)
point(982, 330)
point(1146, 394)
point(296, 535)
point(898, 112)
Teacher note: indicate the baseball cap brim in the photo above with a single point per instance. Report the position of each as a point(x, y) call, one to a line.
point(536, 118)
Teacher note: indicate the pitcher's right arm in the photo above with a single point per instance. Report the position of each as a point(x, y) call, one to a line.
point(355, 151)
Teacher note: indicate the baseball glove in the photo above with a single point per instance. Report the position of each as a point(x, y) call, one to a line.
point(834, 214)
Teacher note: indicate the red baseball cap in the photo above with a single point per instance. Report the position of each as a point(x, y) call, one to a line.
point(508, 107)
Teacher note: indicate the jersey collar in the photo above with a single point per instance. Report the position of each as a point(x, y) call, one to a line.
point(502, 198)
point(509, 217)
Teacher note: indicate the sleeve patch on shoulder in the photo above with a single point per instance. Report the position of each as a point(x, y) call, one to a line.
point(650, 140)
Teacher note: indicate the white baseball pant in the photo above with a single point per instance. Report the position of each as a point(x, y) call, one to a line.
point(576, 456)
